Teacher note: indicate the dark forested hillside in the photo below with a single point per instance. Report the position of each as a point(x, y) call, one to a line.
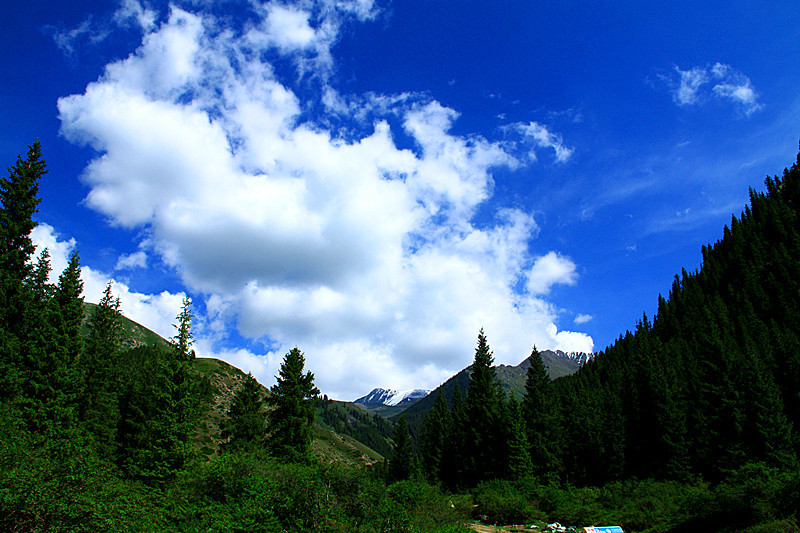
point(713, 381)
point(511, 379)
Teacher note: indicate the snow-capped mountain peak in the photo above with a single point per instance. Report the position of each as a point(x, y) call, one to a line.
point(392, 397)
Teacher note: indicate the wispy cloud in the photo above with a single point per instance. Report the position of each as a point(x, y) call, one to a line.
point(541, 137)
point(698, 85)
point(95, 30)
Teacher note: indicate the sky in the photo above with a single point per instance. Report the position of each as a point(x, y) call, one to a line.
point(375, 181)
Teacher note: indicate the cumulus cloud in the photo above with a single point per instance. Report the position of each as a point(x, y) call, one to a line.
point(583, 319)
point(721, 81)
point(549, 270)
point(131, 261)
point(365, 255)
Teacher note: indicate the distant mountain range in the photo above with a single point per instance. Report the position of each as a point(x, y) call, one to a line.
point(391, 397)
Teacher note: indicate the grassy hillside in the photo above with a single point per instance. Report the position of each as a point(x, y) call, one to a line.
point(221, 381)
point(133, 333)
point(349, 419)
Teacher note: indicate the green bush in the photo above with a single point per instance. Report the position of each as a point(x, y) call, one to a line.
point(504, 503)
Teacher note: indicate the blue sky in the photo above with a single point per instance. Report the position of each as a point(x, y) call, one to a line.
point(376, 181)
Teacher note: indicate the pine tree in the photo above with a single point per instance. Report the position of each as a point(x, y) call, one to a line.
point(153, 437)
point(519, 456)
point(401, 465)
point(292, 415)
point(246, 426)
point(101, 374)
point(453, 472)
point(436, 432)
point(158, 406)
point(69, 298)
point(68, 317)
point(485, 457)
point(18, 203)
point(182, 341)
point(538, 414)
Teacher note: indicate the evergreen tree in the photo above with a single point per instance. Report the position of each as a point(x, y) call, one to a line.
point(540, 419)
point(453, 471)
point(519, 456)
point(153, 435)
point(436, 432)
point(182, 341)
point(67, 318)
point(100, 368)
point(401, 465)
point(69, 299)
point(246, 426)
point(292, 415)
point(18, 203)
point(485, 457)
point(158, 406)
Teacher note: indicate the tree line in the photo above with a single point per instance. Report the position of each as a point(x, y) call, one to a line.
point(712, 382)
point(79, 410)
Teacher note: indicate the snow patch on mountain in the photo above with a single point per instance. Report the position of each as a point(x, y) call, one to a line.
point(392, 397)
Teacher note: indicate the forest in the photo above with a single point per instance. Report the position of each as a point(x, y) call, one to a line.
point(690, 422)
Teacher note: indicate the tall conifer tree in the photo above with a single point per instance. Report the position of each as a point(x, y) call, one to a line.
point(401, 465)
point(100, 368)
point(292, 415)
point(436, 432)
point(485, 457)
point(246, 426)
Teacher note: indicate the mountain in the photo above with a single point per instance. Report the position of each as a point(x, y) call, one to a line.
point(392, 397)
point(331, 444)
point(512, 378)
point(346, 443)
point(351, 420)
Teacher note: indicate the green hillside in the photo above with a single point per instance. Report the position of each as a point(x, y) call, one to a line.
point(133, 333)
point(511, 378)
point(331, 444)
point(350, 419)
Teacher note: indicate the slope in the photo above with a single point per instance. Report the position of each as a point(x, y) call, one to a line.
point(713, 382)
point(511, 378)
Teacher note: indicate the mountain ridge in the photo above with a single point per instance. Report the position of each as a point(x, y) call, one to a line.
point(392, 397)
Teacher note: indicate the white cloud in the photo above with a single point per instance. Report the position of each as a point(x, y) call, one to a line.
point(583, 319)
point(131, 261)
point(134, 10)
point(549, 270)
point(96, 31)
point(544, 138)
point(364, 255)
point(726, 83)
point(288, 28)
point(690, 82)
point(44, 236)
